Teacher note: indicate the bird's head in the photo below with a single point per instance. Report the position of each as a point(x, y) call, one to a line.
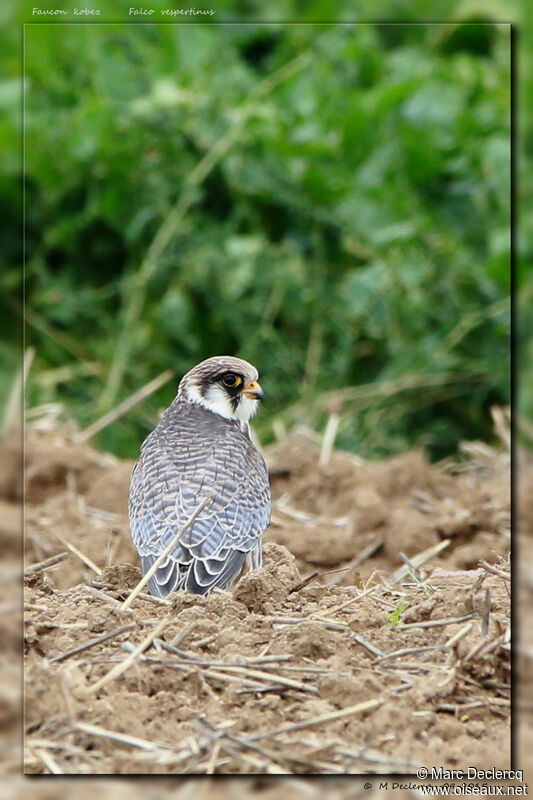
point(223, 384)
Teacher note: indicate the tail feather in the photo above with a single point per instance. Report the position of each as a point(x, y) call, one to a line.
point(199, 577)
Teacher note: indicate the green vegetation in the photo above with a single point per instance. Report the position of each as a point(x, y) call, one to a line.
point(394, 616)
point(328, 202)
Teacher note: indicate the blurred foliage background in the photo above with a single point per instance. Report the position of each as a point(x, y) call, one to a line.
point(330, 202)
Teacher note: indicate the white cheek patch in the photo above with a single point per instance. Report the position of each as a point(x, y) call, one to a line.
point(217, 400)
point(246, 408)
point(192, 394)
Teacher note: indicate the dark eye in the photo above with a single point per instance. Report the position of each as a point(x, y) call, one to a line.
point(230, 379)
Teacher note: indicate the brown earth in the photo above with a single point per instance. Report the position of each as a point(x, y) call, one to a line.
point(345, 674)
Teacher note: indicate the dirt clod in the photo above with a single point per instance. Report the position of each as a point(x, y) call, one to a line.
point(263, 589)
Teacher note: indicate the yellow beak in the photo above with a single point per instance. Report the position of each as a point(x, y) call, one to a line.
point(253, 391)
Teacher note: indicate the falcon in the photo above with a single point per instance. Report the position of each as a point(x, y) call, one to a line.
point(202, 448)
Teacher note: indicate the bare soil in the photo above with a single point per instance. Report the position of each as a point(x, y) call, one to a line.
point(367, 670)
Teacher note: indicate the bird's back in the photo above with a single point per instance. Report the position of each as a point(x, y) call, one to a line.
point(194, 454)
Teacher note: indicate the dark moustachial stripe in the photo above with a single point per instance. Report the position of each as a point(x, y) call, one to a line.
point(234, 392)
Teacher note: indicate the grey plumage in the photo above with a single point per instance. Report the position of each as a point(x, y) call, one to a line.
point(193, 453)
